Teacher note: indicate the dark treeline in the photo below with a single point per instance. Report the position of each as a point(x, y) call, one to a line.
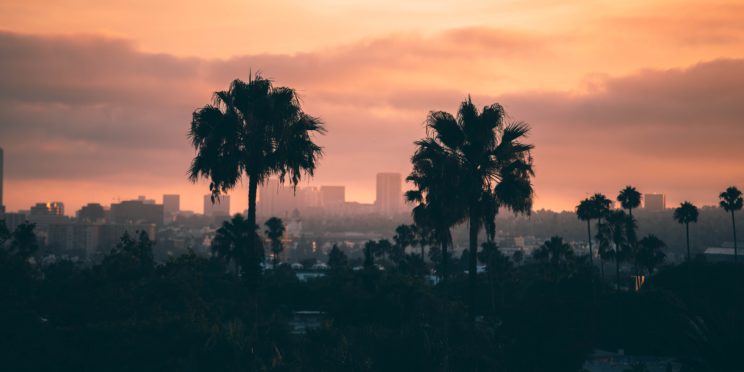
point(711, 230)
point(194, 313)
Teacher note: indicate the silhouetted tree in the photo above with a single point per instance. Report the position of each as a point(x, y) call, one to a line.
point(337, 259)
point(650, 254)
point(731, 201)
point(254, 129)
point(494, 168)
point(405, 236)
point(23, 242)
point(613, 239)
point(370, 251)
point(275, 231)
point(556, 257)
point(238, 242)
point(685, 214)
point(585, 211)
point(130, 258)
point(602, 205)
point(4, 234)
point(629, 199)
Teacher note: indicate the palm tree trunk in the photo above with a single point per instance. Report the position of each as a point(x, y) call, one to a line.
point(687, 235)
point(252, 191)
point(473, 260)
point(736, 248)
point(589, 235)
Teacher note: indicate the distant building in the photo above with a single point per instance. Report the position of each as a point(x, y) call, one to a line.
point(220, 207)
point(332, 198)
point(145, 200)
point(12, 220)
point(654, 202)
point(171, 206)
point(136, 212)
point(48, 209)
point(91, 213)
point(276, 199)
point(389, 193)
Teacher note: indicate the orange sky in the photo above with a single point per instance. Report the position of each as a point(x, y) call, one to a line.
point(96, 96)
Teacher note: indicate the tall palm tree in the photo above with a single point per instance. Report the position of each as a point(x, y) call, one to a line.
point(494, 167)
point(274, 231)
point(437, 205)
point(257, 130)
point(585, 211)
point(236, 241)
point(629, 198)
point(731, 201)
point(601, 205)
point(613, 238)
point(686, 213)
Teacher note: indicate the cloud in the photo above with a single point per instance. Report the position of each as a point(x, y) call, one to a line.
point(94, 108)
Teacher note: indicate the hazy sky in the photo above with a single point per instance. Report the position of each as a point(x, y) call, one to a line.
point(96, 96)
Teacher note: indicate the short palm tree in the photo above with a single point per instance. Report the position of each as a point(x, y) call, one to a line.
point(629, 199)
point(585, 211)
point(556, 256)
point(613, 238)
point(275, 231)
point(731, 201)
point(493, 165)
point(237, 242)
point(650, 254)
point(684, 214)
point(257, 130)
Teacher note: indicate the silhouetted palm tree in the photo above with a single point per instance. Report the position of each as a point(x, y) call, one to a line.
point(731, 201)
point(405, 236)
point(650, 254)
point(274, 231)
point(629, 198)
point(494, 167)
point(253, 129)
point(614, 231)
point(236, 241)
point(556, 256)
point(686, 213)
point(601, 206)
point(585, 211)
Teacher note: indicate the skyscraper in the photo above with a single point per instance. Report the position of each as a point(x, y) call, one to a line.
point(171, 205)
point(389, 193)
point(654, 202)
point(220, 207)
point(332, 197)
point(2, 206)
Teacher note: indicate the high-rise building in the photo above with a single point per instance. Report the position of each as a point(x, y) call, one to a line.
point(136, 212)
point(48, 209)
point(332, 198)
point(2, 206)
point(171, 205)
point(654, 202)
point(91, 213)
point(389, 193)
point(276, 200)
point(220, 207)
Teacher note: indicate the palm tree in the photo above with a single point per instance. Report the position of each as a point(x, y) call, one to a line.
point(601, 206)
point(614, 232)
point(405, 236)
point(274, 231)
point(686, 213)
point(494, 168)
point(556, 256)
point(238, 242)
point(650, 254)
point(585, 211)
point(629, 198)
point(257, 130)
point(731, 201)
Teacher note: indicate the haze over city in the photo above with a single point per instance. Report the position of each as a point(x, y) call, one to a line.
point(96, 97)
